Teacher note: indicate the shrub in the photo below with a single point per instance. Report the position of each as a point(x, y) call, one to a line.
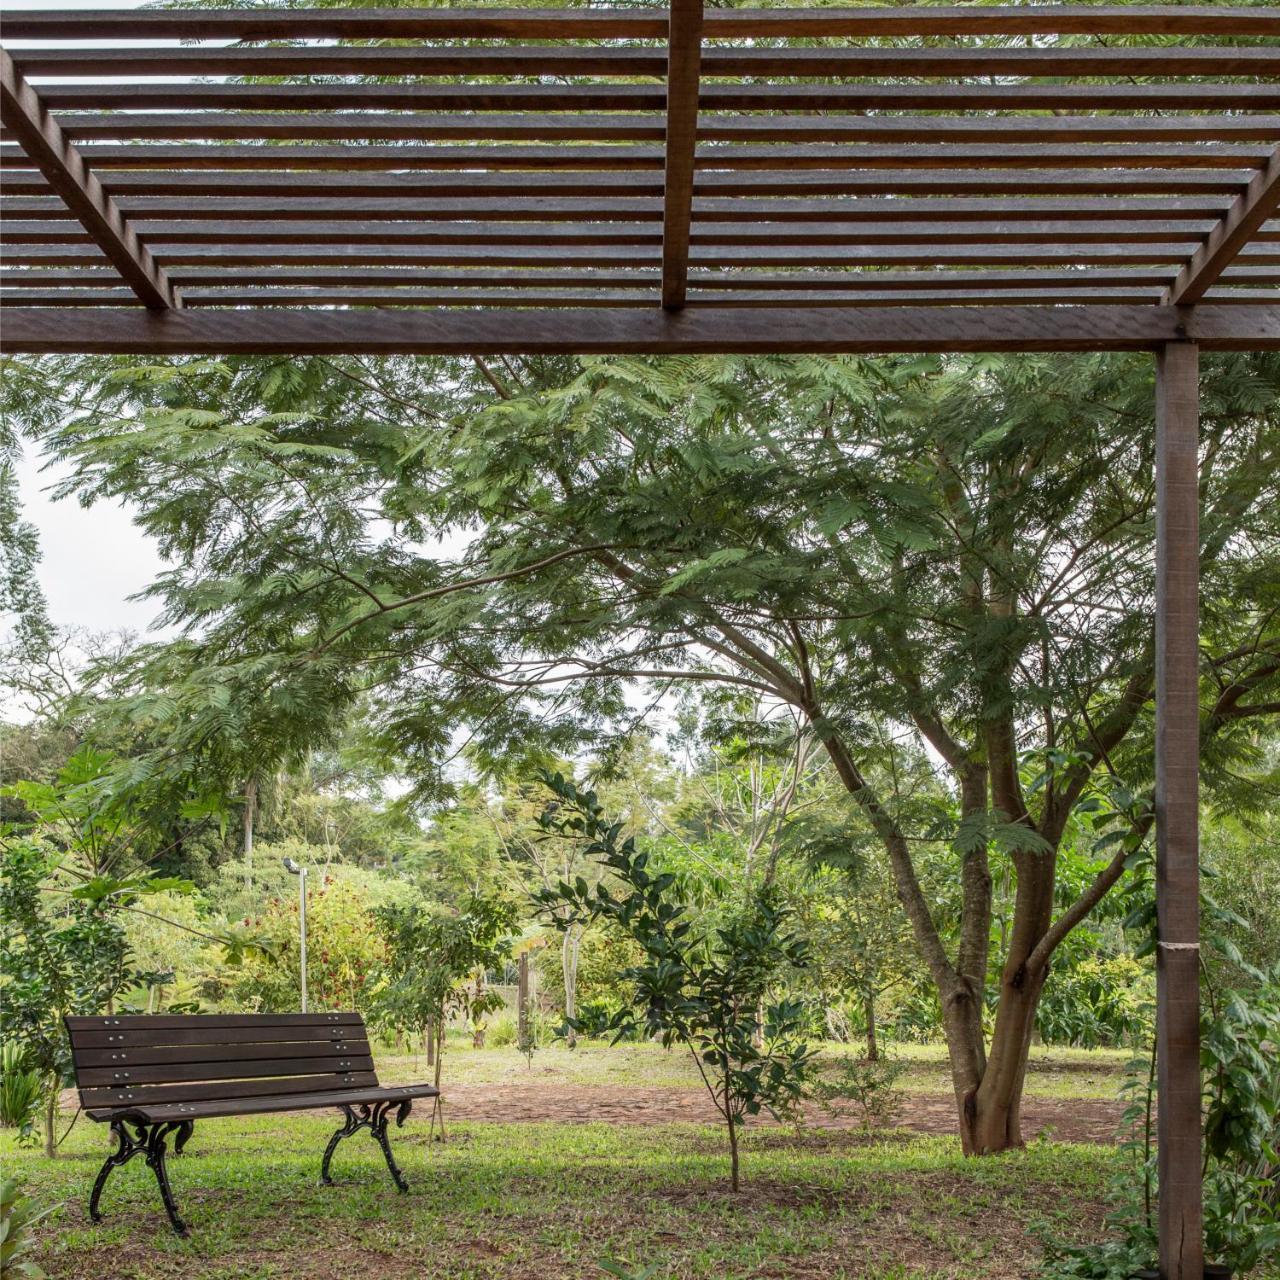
point(704, 988)
point(871, 1085)
point(20, 1092)
point(17, 1217)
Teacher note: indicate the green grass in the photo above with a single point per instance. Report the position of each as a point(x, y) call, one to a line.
point(536, 1201)
point(1053, 1073)
point(546, 1200)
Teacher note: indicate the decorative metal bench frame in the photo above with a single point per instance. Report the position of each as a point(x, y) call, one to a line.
point(152, 1077)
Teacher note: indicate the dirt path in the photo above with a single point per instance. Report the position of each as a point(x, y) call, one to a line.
point(1069, 1120)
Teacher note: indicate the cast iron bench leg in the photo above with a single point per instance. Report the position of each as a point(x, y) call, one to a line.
point(129, 1146)
point(148, 1139)
point(155, 1161)
point(375, 1120)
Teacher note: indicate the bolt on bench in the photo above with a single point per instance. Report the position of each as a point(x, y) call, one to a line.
point(150, 1076)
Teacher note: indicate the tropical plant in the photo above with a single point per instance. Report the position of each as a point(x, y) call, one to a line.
point(869, 1083)
point(17, 1216)
point(20, 1091)
point(704, 989)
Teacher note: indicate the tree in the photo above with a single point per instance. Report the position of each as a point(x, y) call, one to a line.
point(704, 988)
point(435, 970)
point(925, 555)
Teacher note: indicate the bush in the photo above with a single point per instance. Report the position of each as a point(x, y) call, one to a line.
point(20, 1092)
point(17, 1217)
point(869, 1085)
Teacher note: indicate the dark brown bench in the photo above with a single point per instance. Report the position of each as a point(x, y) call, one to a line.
point(152, 1076)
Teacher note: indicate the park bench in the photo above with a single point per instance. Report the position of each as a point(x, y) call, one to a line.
point(152, 1076)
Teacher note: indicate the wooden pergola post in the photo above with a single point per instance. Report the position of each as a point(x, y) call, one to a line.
point(1177, 809)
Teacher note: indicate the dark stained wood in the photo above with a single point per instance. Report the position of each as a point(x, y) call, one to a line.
point(1192, 96)
point(655, 330)
point(196, 1034)
point(608, 157)
point(158, 1022)
point(684, 52)
point(640, 209)
point(565, 60)
point(125, 1075)
point(1240, 226)
point(533, 126)
point(276, 1102)
point(262, 24)
point(95, 1097)
point(160, 1055)
point(724, 185)
point(62, 167)
point(1177, 809)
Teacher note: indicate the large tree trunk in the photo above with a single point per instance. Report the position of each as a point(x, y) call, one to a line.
point(869, 1006)
point(248, 818)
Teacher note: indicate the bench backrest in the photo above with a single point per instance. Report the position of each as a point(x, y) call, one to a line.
point(151, 1059)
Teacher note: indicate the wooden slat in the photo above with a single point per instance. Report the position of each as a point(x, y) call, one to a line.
point(638, 330)
point(606, 256)
point(44, 146)
point(707, 232)
point(1237, 228)
point(621, 208)
point(531, 126)
point(180, 1021)
point(169, 1056)
point(1194, 96)
point(467, 23)
point(105, 156)
point(132, 1038)
point(124, 1075)
point(563, 60)
point(275, 1102)
point(217, 1090)
point(931, 182)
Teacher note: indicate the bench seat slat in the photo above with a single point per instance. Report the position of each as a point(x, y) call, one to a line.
point(124, 1074)
point(219, 1090)
point(104, 1039)
point(171, 1021)
point(182, 1054)
point(159, 1114)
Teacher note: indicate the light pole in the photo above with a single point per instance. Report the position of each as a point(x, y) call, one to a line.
point(301, 873)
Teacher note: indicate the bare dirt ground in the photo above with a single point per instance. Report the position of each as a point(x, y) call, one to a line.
point(1066, 1119)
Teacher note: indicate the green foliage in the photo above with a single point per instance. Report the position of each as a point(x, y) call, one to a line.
point(71, 957)
point(871, 1085)
point(345, 952)
point(20, 1092)
point(17, 1216)
point(704, 989)
point(1097, 1001)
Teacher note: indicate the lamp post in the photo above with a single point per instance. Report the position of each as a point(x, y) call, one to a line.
point(301, 873)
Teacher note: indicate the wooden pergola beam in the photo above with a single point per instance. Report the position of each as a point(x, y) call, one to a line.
point(429, 24)
point(604, 330)
point(62, 165)
point(684, 57)
point(1239, 225)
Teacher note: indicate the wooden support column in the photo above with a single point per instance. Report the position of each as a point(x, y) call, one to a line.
point(684, 60)
point(1177, 809)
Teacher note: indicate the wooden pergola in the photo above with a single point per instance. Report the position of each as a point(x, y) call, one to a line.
point(840, 179)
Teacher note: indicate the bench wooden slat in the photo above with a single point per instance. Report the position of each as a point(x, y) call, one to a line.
point(172, 1021)
point(261, 1105)
point(208, 1035)
point(225, 1090)
point(122, 1075)
point(184, 1054)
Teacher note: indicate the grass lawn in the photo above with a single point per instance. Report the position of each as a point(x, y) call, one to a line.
point(549, 1198)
